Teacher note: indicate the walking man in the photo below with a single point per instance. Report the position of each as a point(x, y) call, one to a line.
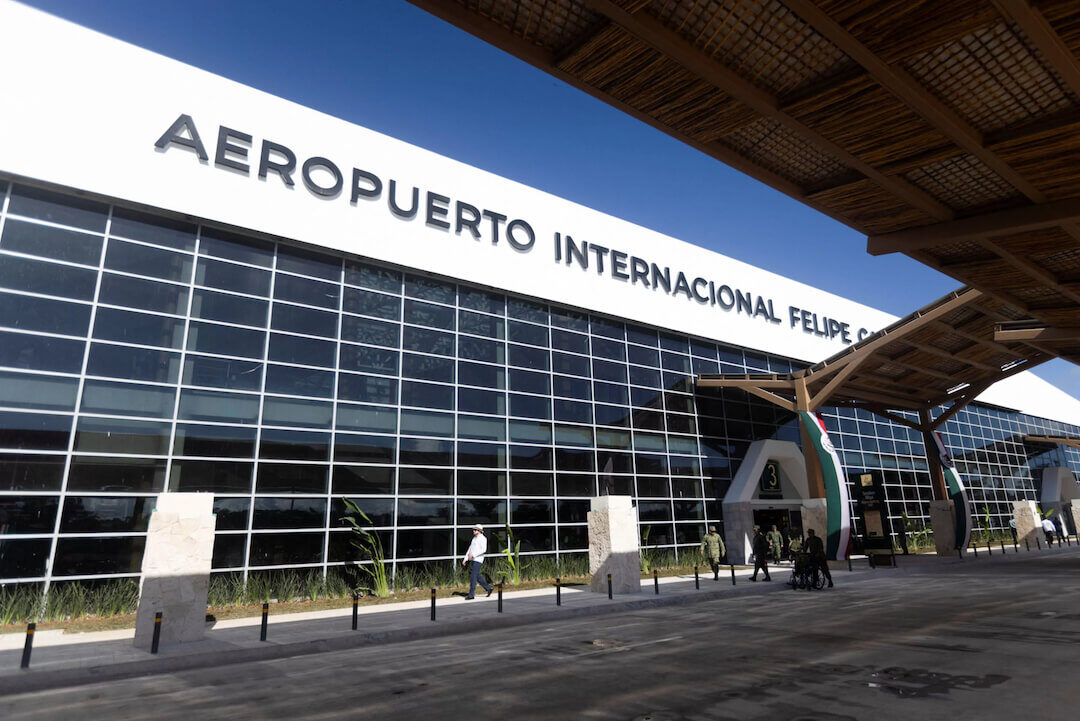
point(761, 554)
point(474, 558)
point(712, 548)
point(1049, 530)
point(776, 544)
point(816, 550)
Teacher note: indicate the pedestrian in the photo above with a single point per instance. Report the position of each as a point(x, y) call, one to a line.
point(1061, 531)
point(776, 544)
point(474, 558)
point(1048, 530)
point(712, 548)
point(761, 554)
point(794, 544)
point(1012, 528)
point(816, 551)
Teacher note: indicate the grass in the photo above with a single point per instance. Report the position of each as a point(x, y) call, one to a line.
point(106, 605)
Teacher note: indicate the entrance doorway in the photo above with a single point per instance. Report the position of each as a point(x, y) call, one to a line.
point(787, 520)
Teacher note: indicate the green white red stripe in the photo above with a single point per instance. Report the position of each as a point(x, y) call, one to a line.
point(837, 500)
point(957, 492)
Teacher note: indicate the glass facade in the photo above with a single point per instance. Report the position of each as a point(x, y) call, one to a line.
point(141, 353)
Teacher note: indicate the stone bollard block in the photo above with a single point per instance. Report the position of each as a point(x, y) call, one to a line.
point(613, 545)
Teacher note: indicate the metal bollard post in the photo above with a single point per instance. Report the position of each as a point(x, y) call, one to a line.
point(989, 550)
point(28, 646)
point(1002, 542)
point(656, 581)
point(1027, 546)
point(265, 615)
point(697, 581)
point(733, 575)
point(433, 604)
point(609, 587)
point(960, 553)
point(1038, 542)
point(157, 633)
point(500, 596)
point(355, 609)
point(1068, 541)
point(975, 549)
point(558, 591)
point(1016, 547)
point(849, 568)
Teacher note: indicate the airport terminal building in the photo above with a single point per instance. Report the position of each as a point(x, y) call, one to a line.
point(205, 288)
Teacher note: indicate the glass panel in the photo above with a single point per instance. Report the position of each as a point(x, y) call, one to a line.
point(529, 382)
point(481, 511)
point(427, 423)
point(210, 476)
point(224, 441)
point(23, 559)
point(294, 445)
point(90, 556)
point(143, 260)
point(527, 310)
point(222, 373)
point(424, 544)
point(530, 406)
point(36, 276)
point(289, 513)
point(126, 399)
point(237, 278)
point(26, 472)
point(299, 381)
point(428, 341)
point(363, 480)
point(417, 512)
point(22, 390)
point(574, 512)
point(34, 431)
point(306, 262)
point(479, 324)
point(471, 400)
point(228, 308)
point(291, 478)
point(528, 333)
point(427, 395)
point(532, 511)
point(370, 389)
point(306, 351)
point(145, 294)
point(436, 316)
point(35, 352)
point(426, 481)
point(481, 483)
point(370, 276)
point(104, 514)
point(226, 340)
point(228, 549)
point(525, 357)
point(233, 246)
point(481, 455)
point(573, 342)
point(217, 406)
point(481, 300)
point(477, 374)
point(58, 208)
point(429, 289)
point(366, 302)
point(276, 549)
point(531, 457)
point(491, 429)
point(28, 514)
point(306, 291)
point(481, 350)
point(130, 327)
point(426, 452)
point(116, 435)
point(42, 314)
point(139, 364)
point(292, 412)
point(52, 243)
point(379, 511)
point(364, 449)
point(570, 364)
point(375, 360)
point(152, 229)
point(366, 418)
point(571, 387)
point(427, 368)
point(370, 332)
point(133, 475)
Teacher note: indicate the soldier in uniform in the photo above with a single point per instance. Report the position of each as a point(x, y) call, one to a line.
point(794, 544)
point(816, 549)
point(776, 544)
point(761, 554)
point(712, 548)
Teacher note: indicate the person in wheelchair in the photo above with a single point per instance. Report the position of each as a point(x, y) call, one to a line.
point(815, 549)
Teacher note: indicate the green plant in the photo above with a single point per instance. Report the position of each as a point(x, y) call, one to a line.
point(20, 603)
point(368, 543)
point(644, 554)
point(512, 561)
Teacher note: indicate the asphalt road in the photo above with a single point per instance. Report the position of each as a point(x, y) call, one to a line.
point(980, 640)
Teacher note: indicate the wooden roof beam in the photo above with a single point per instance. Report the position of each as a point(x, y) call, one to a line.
point(1064, 440)
point(1043, 36)
point(931, 350)
point(1004, 222)
point(654, 33)
point(963, 332)
point(914, 368)
point(907, 89)
point(1043, 335)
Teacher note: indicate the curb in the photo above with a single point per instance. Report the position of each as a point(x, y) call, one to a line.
point(66, 678)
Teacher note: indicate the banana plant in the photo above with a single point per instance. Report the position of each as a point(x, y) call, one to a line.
point(513, 558)
point(371, 550)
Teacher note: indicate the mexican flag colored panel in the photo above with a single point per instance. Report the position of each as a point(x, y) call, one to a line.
point(957, 492)
point(837, 502)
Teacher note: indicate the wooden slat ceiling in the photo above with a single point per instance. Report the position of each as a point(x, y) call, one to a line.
point(949, 131)
point(938, 355)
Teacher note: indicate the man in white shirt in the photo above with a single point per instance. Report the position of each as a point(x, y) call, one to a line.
point(1048, 529)
point(474, 557)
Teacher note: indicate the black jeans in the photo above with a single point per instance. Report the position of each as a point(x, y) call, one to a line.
point(759, 562)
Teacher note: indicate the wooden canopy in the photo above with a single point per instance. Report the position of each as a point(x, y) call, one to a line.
point(1070, 441)
point(949, 131)
point(938, 355)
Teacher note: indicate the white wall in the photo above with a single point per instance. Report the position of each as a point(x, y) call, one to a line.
point(85, 110)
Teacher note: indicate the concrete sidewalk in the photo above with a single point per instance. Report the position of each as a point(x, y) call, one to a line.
point(61, 659)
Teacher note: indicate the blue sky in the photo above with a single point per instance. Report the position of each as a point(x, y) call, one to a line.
point(391, 67)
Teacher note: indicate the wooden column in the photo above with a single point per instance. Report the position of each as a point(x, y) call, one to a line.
point(933, 461)
point(815, 481)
